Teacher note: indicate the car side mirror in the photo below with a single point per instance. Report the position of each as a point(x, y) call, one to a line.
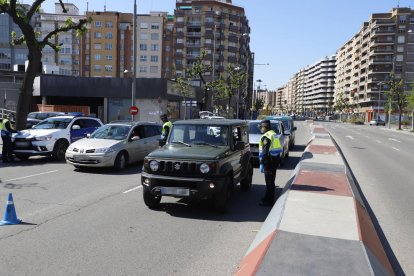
point(134, 138)
point(239, 145)
point(161, 142)
point(76, 127)
point(287, 132)
point(88, 135)
point(33, 126)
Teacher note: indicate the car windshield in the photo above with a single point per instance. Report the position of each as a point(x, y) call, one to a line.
point(54, 123)
point(115, 132)
point(254, 128)
point(201, 135)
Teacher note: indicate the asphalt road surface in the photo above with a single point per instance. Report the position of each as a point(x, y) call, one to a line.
point(382, 161)
point(96, 223)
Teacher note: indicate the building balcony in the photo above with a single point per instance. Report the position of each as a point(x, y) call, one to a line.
point(383, 22)
point(193, 23)
point(192, 45)
point(234, 29)
point(193, 34)
point(381, 61)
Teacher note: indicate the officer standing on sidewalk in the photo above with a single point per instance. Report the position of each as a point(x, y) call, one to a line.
point(166, 127)
point(269, 155)
point(6, 133)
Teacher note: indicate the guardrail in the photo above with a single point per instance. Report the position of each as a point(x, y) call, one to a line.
point(320, 224)
point(4, 112)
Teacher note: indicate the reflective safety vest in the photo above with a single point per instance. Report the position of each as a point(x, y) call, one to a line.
point(3, 128)
point(275, 148)
point(166, 124)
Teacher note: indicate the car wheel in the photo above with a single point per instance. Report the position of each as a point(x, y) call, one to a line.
point(59, 150)
point(23, 157)
point(120, 161)
point(221, 199)
point(150, 200)
point(246, 183)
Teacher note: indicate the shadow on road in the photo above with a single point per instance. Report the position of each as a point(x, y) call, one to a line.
point(134, 168)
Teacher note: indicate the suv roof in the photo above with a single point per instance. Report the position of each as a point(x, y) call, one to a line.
point(225, 122)
point(130, 123)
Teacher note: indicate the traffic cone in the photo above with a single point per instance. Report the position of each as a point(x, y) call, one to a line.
point(10, 216)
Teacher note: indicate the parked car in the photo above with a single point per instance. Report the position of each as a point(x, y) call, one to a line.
point(52, 136)
point(289, 125)
point(255, 134)
point(196, 165)
point(33, 118)
point(376, 122)
point(115, 145)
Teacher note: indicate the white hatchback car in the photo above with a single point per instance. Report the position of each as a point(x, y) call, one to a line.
point(115, 145)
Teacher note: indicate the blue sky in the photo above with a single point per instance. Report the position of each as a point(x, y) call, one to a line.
point(289, 35)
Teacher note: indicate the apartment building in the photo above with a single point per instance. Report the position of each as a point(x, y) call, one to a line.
point(319, 84)
point(300, 90)
point(280, 99)
point(167, 70)
point(383, 45)
point(106, 49)
point(67, 60)
point(217, 26)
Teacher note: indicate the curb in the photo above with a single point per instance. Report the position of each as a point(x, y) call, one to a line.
point(320, 224)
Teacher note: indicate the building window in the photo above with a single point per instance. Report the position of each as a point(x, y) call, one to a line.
point(97, 46)
point(97, 57)
point(167, 48)
point(108, 35)
point(97, 68)
point(154, 36)
point(108, 57)
point(154, 47)
point(98, 24)
point(108, 24)
point(108, 46)
point(143, 58)
point(98, 35)
point(401, 39)
point(154, 58)
point(155, 26)
point(143, 47)
point(108, 68)
point(143, 25)
point(143, 69)
point(143, 36)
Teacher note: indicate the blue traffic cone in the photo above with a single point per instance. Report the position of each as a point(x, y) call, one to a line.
point(10, 216)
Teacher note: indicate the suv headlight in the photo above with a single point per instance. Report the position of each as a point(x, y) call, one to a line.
point(154, 165)
point(104, 150)
point(43, 138)
point(204, 168)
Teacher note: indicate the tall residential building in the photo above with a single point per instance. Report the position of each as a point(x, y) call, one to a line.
point(218, 26)
point(106, 49)
point(384, 44)
point(67, 60)
point(318, 96)
point(168, 48)
point(279, 103)
point(300, 90)
point(10, 54)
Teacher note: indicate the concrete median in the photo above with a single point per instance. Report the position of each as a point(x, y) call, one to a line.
point(319, 225)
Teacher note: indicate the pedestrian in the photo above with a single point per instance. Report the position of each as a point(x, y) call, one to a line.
point(6, 134)
point(269, 155)
point(166, 127)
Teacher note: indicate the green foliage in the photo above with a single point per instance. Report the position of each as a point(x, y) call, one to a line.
point(341, 104)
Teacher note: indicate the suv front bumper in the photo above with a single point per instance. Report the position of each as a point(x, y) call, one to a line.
point(200, 188)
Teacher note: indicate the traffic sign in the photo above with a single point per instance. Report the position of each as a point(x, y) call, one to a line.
point(133, 110)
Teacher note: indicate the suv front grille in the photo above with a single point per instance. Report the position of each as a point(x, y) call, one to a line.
point(177, 167)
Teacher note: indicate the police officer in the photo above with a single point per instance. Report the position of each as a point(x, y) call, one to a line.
point(6, 133)
point(166, 127)
point(269, 155)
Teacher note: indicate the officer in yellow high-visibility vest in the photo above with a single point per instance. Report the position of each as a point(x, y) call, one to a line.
point(269, 155)
point(166, 127)
point(6, 134)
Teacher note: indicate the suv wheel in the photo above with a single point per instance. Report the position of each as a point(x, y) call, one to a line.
point(59, 150)
point(150, 200)
point(246, 183)
point(221, 200)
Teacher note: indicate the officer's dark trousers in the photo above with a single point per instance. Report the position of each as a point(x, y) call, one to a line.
point(270, 176)
point(7, 150)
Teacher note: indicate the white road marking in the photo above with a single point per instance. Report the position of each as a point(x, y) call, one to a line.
point(378, 141)
point(133, 189)
point(350, 137)
point(396, 149)
point(392, 139)
point(23, 177)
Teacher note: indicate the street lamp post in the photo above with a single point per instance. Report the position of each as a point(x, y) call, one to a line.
point(214, 66)
point(134, 56)
point(379, 97)
point(238, 93)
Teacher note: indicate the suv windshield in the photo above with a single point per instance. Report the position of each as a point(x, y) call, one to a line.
point(116, 132)
point(54, 123)
point(254, 128)
point(199, 135)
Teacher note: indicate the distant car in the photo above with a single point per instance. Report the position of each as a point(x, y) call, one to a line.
point(376, 122)
point(115, 145)
point(52, 136)
point(255, 134)
point(289, 125)
point(213, 130)
point(33, 118)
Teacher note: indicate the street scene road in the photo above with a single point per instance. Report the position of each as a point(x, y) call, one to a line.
point(95, 223)
point(381, 162)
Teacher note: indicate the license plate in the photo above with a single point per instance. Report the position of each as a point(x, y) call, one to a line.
point(78, 158)
point(21, 144)
point(175, 191)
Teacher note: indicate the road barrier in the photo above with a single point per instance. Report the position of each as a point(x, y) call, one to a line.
point(319, 225)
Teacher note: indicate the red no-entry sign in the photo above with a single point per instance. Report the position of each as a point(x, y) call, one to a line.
point(133, 110)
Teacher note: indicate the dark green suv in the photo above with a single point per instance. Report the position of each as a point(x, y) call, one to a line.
point(203, 159)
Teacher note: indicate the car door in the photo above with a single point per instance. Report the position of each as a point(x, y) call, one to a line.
point(236, 159)
point(136, 146)
point(152, 134)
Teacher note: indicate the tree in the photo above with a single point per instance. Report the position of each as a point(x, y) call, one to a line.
point(341, 104)
point(183, 85)
point(397, 96)
point(22, 16)
point(410, 105)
